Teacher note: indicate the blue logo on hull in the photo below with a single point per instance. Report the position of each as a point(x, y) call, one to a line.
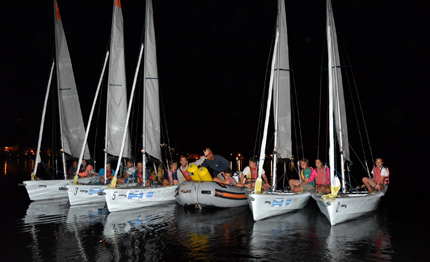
point(135, 195)
point(278, 202)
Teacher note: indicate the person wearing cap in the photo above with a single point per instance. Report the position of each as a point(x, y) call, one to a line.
point(216, 162)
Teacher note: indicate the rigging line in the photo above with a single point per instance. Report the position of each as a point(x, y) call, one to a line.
point(262, 107)
point(165, 124)
point(320, 104)
point(297, 109)
point(97, 124)
point(360, 106)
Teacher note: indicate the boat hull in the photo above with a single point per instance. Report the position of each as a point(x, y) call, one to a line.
point(118, 199)
point(210, 194)
point(48, 189)
point(85, 194)
point(348, 207)
point(274, 204)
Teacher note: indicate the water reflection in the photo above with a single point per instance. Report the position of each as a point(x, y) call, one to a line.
point(56, 231)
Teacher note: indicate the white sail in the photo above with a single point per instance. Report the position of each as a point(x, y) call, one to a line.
point(151, 115)
point(72, 125)
point(117, 89)
point(281, 91)
point(338, 95)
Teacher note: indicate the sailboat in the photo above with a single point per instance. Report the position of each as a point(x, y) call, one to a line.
point(116, 111)
point(118, 199)
point(337, 208)
point(268, 204)
point(71, 123)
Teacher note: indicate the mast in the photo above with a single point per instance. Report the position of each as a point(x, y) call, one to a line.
point(42, 122)
point(330, 94)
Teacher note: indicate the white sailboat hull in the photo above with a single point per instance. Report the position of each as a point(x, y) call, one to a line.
point(118, 199)
point(85, 194)
point(211, 194)
point(349, 207)
point(273, 204)
point(48, 189)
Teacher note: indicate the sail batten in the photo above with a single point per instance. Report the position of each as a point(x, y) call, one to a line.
point(71, 122)
point(117, 88)
point(151, 118)
point(282, 89)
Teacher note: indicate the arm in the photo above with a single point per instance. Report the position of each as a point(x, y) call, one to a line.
point(216, 179)
point(313, 176)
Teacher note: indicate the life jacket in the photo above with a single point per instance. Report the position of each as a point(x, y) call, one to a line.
point(109, 173)
point(320, 180)
point(140, 176)
point(377, 175)
point(185, 174)
point(254, 174)
point(230, 181)
point(301, 172)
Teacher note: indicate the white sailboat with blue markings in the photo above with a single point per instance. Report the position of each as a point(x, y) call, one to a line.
point(71, 123)
point(118, 199)
point(116, 111)
point(268, 204)
point(342, 207)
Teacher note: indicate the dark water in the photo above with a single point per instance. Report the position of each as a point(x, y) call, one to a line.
point(54, 231)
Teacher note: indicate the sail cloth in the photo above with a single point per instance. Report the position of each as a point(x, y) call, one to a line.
point(72, 125)
point(339, 100)
point(281, 91)
point(117, 91)
point(151, 115)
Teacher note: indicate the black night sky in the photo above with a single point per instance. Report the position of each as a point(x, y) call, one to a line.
point(212, 59)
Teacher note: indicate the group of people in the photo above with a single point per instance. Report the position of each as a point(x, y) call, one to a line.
point(317, 178)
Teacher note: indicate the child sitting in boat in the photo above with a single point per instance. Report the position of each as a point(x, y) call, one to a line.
point(171, 176)
point(380, 177)
point(130, 174)
point(86, 170)
point(109, 173)
point(250, 175)
point(297, 185)
point(321, 175)
point(226, 178)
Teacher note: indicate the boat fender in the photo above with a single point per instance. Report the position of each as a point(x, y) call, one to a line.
point(193, 171)
point(204, 174)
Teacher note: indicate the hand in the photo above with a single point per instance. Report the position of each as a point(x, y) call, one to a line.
point(207, 151)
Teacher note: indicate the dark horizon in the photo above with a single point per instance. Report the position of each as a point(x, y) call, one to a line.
point(212, 60)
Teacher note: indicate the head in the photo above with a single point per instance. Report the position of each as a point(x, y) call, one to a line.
point(210, 156)
point(253, 162)
point(75, 163)
point(304, 163)
point(318, 163)
point(227, 173)
point(129, 164)
point(108, 167)
point(183, 160)
point(173, 164)
point(139, 166)
point(379, 161)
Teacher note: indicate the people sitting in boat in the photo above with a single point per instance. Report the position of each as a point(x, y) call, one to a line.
point(130, 175)
point(380, 177)
point(216, 162)
point(148, 176)
point(183, 161)
point(72, 169)
point(109, 174)
point(297, 185)
point(86, 170)
point(226, 178)
point(250, 175)
point(171, 176)
point(321, 174)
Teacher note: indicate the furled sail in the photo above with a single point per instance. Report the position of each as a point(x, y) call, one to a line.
point(151, 115)
point(72, 125)
point(117, 91)
point(339, 100)
point(281, 91)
